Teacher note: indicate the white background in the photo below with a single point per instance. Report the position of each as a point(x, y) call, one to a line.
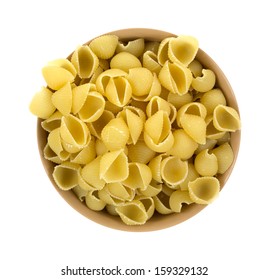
point(40, 234)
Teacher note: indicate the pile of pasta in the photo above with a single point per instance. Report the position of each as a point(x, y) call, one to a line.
point(136, 127)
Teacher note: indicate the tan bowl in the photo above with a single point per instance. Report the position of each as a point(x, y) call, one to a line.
point(158, 221)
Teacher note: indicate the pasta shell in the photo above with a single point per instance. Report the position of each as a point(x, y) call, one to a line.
point(65, 175)
point(204, 190)
point(149, 205)
point(86, 155)
point(79, 96)
point(139, 176)
point(74, 132)
point(206, 82)
point(91, 174)
point(150, 61)
point(104, 46)
point(162, 54)
point(85, 61)
point(41, 104)
point(191, 176)
point(225, 157)
point(115, 134)
point(184, 146)
point(155, 167)
point(82, 183)
point(53, 122)
point(50, 155)
point(177, 198)
point(152, 189)
point(100, 147)
point(80, 193)
point(152, 46)
point(97, 126)
point(196, 68)
point(226, 118)
point(118, 91)
point(62, 99)
point(140, 152)
point(135, 47)
point(211, 131)
point(156, 104)
point(111, 209)
point(213, 98)
point(132, 213)
point(210, 144)
point(121, 192)
point(175, 77)
point(161, 202)
point(114, 166)
point(173, 171)
point(183, 49)
point(93, 201)
point(179, 100)
point(192, 108)
point(125, 61)
point(59, 72)
point(107, 198)
point(93, 107)
point(206, 163)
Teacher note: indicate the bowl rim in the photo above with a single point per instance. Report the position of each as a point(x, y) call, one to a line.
point(158, 221)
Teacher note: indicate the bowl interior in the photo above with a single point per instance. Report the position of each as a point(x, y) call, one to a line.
point(158, 221)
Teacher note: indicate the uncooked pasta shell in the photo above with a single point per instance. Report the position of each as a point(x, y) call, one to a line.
point(177, 198)
point(206, 164)
point(125, 61)
point(140, 152)
point(204, 83)
point(62, 99)
point(135, 47)
point(225, 157)
point(94, 202)
point(104, 46)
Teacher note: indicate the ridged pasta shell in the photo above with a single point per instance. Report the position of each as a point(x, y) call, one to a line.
point(162, 54)
point(191, 176)
point(65, 175)
point(97, 126)
point(86, 155)
point(79, 96)
point(121, 192)
point(94, 202)
point(152, 189)
point(74, 132)
point(196, 68)
point(59, 72)
point(211, 131)
point(155, 167)
point(173, 171)
point(184, 146)
point(139, 176)
point(192, 108)
point(210, 144)
point(183, 49)
point(204, 83)
point(150, 61)
point(152, 46)
point(204, 190)
point(115, 134)
point(82, 183)
point(108, 199)
point(179, 100)
point(132, 213)
point(118, 91)
point(177, 198)
point(225, 157)
point(80, 193)
point(114, 166)
point(104, 46)
point(125, 61)
point(226, 118)
point(85, 61)
point(53, 122)
point(135, 47)
point(213, 98)
point(93, 107)
point(149, 205)
point(140, 152)
point(62, 99)
point(206, 164)
point(175, 77)
point(50, 155)
point(91, 174)
point(161, 202)
point(41, 104)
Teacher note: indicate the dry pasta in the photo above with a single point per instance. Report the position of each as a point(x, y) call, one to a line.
point(136, 127)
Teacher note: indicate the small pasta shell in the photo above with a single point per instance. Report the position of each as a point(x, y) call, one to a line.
point(161, 202)
point(179, 100)
point(107, 198)
point(183, 49)
point(206, 164)
point(192, 108)
point(210, 144)
point(118, 91)
point(149, 205)
point(53, 122)
point(85, 61)
point(114, 166)
point(139, 176)
point(93, 107)
point(115, 134)
point(162, 54)
point(125, 61)
point(211, 131)
point(204, 190)
point(175, 77)
point(121, 192)
point(93, 201)
point(80, 193)
point(59, 72)
point(152, 46)
point(150, 61)
point(155, 167)
point(173, 170)
point(140, 152)
point(65, 175)
point(50, 155)
point(135, 47)
point(86, 155)
point(177, 198)
point(204, 83)
point(104, 46)
point(41, 104)
point(191, 176)
point(82, 183)
point(152, 189)
point(196, 68)
point(132, 213)
point(225, 157)
point(226, 118)
point(62, 99)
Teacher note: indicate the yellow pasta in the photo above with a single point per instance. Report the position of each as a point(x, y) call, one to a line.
point(125, 61)
point(86, 155)
point(206, 163)
point(162, 54)
point(211, 132)
point(135, 47)
point(191, 176)
point(161, 202)
point(155, 167)
point(80, 193)
point(178, 198)
point(94, 202)
point(225, 157)
point(140, 152)
point(211, 99)
point(53, 122)
point(206, 82)
point(179, 100)
point(50, 155)
point(62, 99)
point(104, 46)
point(152, 189)
point(121, 192)
point(149, 205)
point(150, 61)
point(204, 190)
point(196, 68)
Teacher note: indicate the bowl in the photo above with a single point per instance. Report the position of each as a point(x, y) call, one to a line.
point(158, 221)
